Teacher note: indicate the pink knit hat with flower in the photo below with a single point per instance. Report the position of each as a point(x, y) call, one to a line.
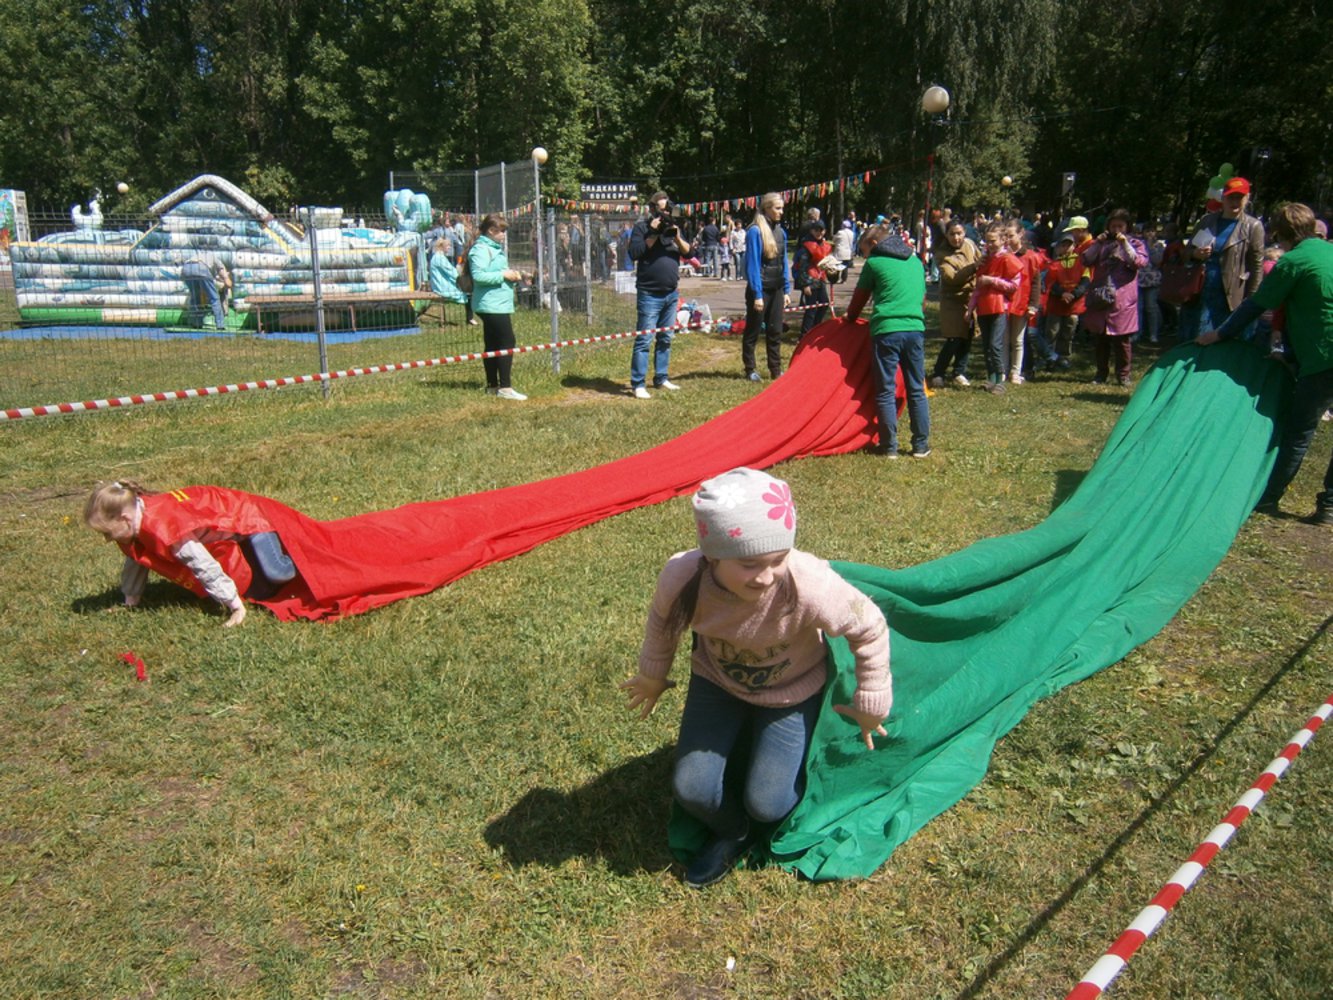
point(744, 513)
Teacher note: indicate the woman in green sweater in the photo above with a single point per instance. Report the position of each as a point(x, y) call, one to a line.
point(894, 278)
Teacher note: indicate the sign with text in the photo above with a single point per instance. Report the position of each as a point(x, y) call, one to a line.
point(608, 192)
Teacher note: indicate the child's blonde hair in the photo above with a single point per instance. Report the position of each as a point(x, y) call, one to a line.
point(765, 227)
point(109, 501)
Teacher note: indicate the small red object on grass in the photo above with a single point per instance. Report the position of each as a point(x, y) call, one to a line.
point(140, 673)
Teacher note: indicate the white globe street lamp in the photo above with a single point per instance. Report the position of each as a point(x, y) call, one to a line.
point(539, 156)
point(935, 101)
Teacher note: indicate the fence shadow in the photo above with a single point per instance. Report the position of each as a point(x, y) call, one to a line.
point(1113, 848)
point(620, 817)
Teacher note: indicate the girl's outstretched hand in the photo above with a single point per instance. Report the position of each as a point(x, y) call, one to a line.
point(871, 725)
point(237, 615)
point(644, 692)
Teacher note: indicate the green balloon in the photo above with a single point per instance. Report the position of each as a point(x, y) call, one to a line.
point(1227, 172)
point(1216, 182)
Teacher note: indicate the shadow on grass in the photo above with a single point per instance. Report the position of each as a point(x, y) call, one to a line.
point(1109, 852)
point(475, 383)
point(1066, 482)
point(1113, 395)
point(158, 594)
point(610, 387)
point(620, 817)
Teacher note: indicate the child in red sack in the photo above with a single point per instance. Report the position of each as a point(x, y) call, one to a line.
point(212, 541)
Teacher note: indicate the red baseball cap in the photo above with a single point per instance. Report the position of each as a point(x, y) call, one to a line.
point(1237, 185)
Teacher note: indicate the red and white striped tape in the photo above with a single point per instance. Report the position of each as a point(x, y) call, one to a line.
point(116, 402)
point(1150, 917)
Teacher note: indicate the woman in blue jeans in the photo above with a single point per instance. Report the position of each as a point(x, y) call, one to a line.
point(759, 610)
point(767, 286)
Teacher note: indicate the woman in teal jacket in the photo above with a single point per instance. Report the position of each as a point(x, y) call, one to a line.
point(493, 282)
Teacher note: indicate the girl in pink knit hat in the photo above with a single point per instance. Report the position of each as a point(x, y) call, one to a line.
point(759, 610)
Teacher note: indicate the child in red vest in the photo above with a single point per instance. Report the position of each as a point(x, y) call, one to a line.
point(998, 280)
point(1023, 306)
point(1067, 281)
point(212, 541)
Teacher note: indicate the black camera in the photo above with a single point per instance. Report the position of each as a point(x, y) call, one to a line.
point(666, 225)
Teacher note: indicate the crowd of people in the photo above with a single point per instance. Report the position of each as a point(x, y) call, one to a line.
point(1031, 291)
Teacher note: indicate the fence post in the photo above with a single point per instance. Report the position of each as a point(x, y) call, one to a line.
point(587, 263)
point(553, 289)
point(319, 298)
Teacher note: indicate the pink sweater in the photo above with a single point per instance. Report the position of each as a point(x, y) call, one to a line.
point(772, 652)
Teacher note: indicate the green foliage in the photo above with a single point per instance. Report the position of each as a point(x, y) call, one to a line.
point(714, 98)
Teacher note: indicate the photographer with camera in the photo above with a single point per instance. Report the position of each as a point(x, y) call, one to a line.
point(655, 246)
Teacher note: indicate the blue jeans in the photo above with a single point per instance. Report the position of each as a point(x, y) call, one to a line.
point(995, 337)
point(655, 311)
point(1313, 395)
point(1039, 352)
point(710, 727)
point(813, 294)
point(1150, 316)
point(889, 352)
point(1207, 312)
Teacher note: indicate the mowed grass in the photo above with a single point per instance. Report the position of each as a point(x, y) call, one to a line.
point(446, 797)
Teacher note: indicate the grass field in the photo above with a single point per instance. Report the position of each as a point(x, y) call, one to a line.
point(446, 797)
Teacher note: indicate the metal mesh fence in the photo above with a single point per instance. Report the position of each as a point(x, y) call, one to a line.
point(86, 316)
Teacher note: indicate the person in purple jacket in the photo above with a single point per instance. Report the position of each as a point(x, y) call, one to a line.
point(1112, 315)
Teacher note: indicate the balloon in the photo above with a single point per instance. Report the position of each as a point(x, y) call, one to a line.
point(1227, 172)
point(1216, 182)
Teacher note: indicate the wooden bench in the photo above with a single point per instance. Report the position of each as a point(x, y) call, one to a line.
point(339, 301)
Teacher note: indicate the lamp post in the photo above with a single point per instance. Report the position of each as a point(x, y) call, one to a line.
point(935, 103)
point(539, 156)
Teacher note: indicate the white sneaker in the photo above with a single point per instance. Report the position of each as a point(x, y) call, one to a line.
point(1015, 378)
point(666, 383)
point(961, 380)
point(641, 393)
point(507, 393)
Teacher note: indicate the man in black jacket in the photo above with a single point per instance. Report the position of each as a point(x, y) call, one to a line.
point(655, 246)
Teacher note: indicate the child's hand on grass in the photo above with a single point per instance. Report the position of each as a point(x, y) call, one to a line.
point(237, 615)
point(644, 692)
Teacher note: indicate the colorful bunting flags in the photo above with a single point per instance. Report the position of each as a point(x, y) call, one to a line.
point(818, 189)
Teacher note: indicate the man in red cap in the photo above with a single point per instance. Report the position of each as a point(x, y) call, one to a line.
point(1230, 242)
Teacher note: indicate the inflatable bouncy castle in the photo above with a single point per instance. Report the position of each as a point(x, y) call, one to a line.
point(96, 275)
